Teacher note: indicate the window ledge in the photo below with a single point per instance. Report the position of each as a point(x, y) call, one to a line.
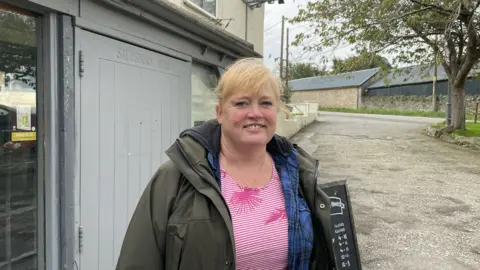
point(199, 9)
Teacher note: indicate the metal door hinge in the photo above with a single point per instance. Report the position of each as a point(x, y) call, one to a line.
point(81, 63)
point(80, 239)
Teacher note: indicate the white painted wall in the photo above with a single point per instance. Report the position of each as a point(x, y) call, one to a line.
point(289, 125)
point(245, 23)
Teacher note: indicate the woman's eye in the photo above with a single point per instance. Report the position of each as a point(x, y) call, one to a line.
point(241, 104)
point(267, 103)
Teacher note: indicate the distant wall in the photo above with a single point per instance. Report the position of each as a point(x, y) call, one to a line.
point(334, 98)
point(412, 103)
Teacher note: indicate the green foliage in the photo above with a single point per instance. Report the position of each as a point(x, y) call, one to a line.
point(17, 46)
point(472, 130)
point(299, 70)
point(414, 31)
point(364, 60)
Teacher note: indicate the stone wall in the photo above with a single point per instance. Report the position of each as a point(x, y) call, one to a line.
point(333, 98)
point(411, 103)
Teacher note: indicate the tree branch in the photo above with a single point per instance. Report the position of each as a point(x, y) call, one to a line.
point(452, 57)
point(461, 45)
point(438, 8)
point(472, 54)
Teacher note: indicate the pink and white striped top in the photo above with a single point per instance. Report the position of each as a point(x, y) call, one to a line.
point(260, 223)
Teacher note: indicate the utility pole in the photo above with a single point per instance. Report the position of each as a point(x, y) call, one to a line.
point(286, 65)
point(281, 48)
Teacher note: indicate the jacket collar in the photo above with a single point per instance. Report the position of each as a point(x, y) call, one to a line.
point(191, 150)
point(208, 136)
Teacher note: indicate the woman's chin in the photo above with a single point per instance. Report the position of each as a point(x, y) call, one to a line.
point(254, 140)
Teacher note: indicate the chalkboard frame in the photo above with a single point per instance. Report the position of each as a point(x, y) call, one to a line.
point(343, 183)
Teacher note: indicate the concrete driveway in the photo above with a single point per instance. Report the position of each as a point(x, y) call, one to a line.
point(416, 200)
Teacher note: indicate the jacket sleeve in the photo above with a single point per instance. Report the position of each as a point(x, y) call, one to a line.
point(144, 242)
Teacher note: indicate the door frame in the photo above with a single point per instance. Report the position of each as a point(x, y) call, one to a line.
point(58, 149)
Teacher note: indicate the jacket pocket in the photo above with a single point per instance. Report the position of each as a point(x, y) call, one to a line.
point(174, 245)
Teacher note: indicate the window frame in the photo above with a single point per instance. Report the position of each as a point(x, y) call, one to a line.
point(39, 15)
point(198, 8)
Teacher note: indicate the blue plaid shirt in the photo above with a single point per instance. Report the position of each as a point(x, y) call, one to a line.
point(300, 229)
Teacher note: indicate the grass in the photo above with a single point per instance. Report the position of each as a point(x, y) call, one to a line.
point(472, 129)
point(432, 114)
point(439, 125)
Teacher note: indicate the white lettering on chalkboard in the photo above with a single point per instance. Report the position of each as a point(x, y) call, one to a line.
point(340, 230)
point(336, 206)
point(346, 264)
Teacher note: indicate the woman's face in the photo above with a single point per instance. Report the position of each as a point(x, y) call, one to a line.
point(249, 120)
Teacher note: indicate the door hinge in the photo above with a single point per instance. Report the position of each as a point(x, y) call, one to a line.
point(81, 63)
point(80, 239)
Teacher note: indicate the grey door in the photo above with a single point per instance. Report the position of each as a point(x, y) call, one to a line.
point(133, 105)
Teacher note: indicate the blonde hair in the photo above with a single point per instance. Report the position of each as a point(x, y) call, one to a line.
point(249, 76)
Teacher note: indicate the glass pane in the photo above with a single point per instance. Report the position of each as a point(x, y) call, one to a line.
point(209, 6)
point(204, 81)
point(18, 158)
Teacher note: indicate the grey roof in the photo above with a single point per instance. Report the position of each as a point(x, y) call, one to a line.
point(356, 78)
point(410, 75)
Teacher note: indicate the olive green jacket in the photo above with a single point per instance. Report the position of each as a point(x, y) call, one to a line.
point(182, 221)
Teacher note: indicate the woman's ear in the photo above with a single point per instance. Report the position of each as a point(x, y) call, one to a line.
point(218, 110)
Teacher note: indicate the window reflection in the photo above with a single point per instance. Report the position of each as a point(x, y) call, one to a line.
point(18, 123)
point(204, 81)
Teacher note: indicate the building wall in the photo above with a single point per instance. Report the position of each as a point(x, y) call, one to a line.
point(235, 17)
point(334, 98)
point(414, 103)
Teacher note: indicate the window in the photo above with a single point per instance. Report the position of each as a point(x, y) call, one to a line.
point(204, 81)
point(18, 158)
point(205, 6)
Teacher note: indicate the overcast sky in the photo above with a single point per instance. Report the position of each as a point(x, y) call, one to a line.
point(273, 29)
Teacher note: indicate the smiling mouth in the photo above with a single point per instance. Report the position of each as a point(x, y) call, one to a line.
point(254, 126)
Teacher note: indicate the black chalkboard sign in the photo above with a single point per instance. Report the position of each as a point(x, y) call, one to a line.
point(344, 240)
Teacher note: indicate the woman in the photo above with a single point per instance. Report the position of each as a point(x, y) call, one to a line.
point(234, 195)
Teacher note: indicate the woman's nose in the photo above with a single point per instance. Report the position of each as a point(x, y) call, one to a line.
point(255, 112)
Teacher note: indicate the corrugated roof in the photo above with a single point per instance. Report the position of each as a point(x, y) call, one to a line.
point(349, 79)
point(410, 75)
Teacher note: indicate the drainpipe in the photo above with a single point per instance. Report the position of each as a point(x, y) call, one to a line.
point(246, 22)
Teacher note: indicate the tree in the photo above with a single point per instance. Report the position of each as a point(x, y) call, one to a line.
point(17, 47)
point(410, 29)
point(364, 60)
point(299, 70)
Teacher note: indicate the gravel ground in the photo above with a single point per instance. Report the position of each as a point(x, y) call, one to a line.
point(416, 200)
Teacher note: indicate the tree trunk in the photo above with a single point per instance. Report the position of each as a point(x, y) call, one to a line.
point(458, 108)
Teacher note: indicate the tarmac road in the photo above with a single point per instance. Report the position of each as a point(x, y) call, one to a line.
point(416, 200)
